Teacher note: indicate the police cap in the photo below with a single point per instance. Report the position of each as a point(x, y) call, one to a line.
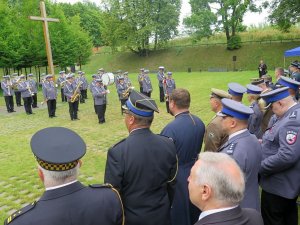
point(295, 64)
point(252, 89)
point(140, 104)
point(217, 93)
point(236, 89)
point(235, 109)
point(257, 82)
point(288, 82)
point(275, 95)
point(30, 75)
point(60, 154)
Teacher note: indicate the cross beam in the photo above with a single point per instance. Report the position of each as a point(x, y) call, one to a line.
point(45, 21)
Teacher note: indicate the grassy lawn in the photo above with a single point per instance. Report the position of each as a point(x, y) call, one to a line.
point(18, 178)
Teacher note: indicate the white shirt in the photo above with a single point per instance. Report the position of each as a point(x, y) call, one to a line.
point(59, 186)
point(212, 211)
point(236, 133)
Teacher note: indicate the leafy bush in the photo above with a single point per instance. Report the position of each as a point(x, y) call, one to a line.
point(234, 42)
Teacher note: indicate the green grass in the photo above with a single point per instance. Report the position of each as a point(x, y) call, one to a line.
point(18, 176)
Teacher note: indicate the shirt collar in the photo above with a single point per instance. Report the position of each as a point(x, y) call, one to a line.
point(60, 186)
point(236, 133)
point(212, 211)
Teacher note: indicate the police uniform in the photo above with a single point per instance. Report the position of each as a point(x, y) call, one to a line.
point(255, 119)
point(126, 79)
point(50, 94)
point(117, 77)
point(291, 84)
point(147, 86)
point(69, 91)
point(143, 168)
point(61, 82)
point(91, 86)
point(34, 90)
point(280, 166)
point(99, 95)
point(15, 81)
point(26, 94)
point(122, 88)
point(72, 203)
point(83, 87)
point(8, 93)
point(245, 149)
point(215, 136)
point(187, 131)
point(161, 77)
point(169, 86)
point(140, 79)
point(296, 74)
point(236, 90)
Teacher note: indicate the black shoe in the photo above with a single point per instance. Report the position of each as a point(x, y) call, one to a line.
point(28, 113)
point(13, 111)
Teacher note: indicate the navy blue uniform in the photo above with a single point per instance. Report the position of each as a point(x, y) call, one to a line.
point(187, 131)
point(71, 205)
point(143, 168)
point(255, 120)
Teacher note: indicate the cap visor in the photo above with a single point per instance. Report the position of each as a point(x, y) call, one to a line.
point(221, 114)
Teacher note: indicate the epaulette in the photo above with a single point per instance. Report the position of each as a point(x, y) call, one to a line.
point(231, 148)
point(106, 185)
point(20, 212)
point(118, 143)
point(293, 115)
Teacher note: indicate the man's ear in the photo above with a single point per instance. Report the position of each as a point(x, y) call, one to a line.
point(206, 192)
point(41, 175)
point(80, 162)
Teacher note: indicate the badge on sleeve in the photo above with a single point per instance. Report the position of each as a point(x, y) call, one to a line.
point(211, 135)
point(291, 137)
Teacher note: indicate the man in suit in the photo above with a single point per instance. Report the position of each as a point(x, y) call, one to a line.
point(280, 166)
point(66, 201)
point(262, 69)
point(243, 147)
point(187, 131)
point(216, 186)
point(143, 166)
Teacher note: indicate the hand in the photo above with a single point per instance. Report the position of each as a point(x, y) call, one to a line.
point(107, 91)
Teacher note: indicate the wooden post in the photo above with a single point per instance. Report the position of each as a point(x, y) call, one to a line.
point(45, 21)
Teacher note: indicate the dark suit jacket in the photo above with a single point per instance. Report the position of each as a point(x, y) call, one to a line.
point(74, 204)
point(236, 216)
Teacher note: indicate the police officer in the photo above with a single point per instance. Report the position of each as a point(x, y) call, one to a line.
point(66, 201)
point(99, 95)
point(147, 86)
point(236, 91)
point(34, 90)
point(83, 87)
point(169, 86)
point(280, 166)
point(127, 81)
point(295, 71)
point(255, 119)
point(117, 77)
point(71, 90)
point(123, 92)
point(15, 81)
point(140, 79)
point(8, 93)
point(214, 136)
point(293, 86)
point(143, 166)
point(91, 86)
point(161, 77)
point(26, 94)
point(101, 71)
point(243, 147)
point(61, 82)
point(50, 95)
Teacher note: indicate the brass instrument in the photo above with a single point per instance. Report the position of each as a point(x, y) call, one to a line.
point(126, 93)
point(29, 88)
point(9, 86)
point(76, 93)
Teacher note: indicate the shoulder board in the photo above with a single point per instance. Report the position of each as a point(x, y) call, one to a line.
point(293, 115)
point(106, 185)
point(251, 106)
point(231, 148)
point(118, 143)
point(20, 212)
point(167, 137)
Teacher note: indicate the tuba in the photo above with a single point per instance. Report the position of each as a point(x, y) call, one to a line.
point(76, 93)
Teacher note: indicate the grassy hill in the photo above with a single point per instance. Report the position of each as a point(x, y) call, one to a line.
point(198, 58)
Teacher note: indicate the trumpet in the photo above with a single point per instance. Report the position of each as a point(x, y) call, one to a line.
point(126, 93)
point(76, 93)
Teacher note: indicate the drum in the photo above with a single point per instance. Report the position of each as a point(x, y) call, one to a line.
point(108, 79)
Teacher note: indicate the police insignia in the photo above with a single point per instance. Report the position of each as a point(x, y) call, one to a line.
point(291, 137)
point(293, 115)
point(211, 135)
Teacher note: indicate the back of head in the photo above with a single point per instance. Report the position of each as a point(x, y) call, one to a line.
point(223, 175)
point(181, 98)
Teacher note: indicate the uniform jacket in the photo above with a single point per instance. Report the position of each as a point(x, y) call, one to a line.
point(33, 85)
point(147, 86)
point(99, 94)
point(143, 168)
point(121, 88)
point(281, 156)
point(170, 86)
point(160, 78)
point(187, 131)
point(246, 150)
point(255, 120)
point(84, 84)
point(214, 136)
point(92, 84)
point(140, 79)
point(69, 89)
point(7, 91)
point(23, 88)
point(49, 90)
point(61, 81)
point(236, 216)
point(71, 205)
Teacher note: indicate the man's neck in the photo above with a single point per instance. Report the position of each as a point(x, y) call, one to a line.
point(179, 111)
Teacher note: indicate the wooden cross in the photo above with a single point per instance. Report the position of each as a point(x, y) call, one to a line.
point(45, 21)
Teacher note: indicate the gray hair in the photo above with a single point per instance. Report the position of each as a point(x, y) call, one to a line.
point(215, 171)
point(60, 177)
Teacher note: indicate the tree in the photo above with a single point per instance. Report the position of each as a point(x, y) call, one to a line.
point(284, 13)
point(209, 16)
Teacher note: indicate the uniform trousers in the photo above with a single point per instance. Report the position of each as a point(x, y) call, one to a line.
point(34, 100)
point(63, 97)
point(27, 105)
point(161, 94)
point(277, 210)
point(18, 98)
point(100, 109)
point(9, 101)
point(51, 103)
point(73, 109)
point(82, 96)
